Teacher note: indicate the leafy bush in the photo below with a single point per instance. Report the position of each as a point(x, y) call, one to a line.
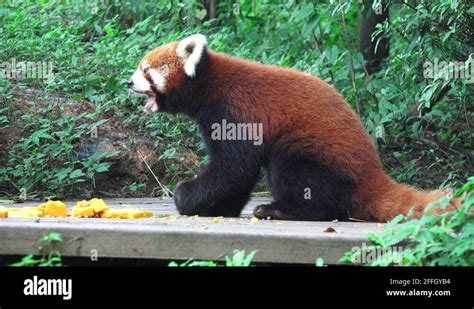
point(432, 240)
point(50, 256)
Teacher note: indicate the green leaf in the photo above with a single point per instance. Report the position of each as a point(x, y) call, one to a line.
point(319, 262)
point(52, 237)
point(303, 12)
point(103, 167)
point(36, 136)
point(375, 239)
point(76, 173)
point(91, 79)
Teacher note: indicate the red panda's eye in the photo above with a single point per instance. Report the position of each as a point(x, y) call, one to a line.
point(145, 70)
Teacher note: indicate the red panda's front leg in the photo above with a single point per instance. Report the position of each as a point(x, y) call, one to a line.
point(221, 189)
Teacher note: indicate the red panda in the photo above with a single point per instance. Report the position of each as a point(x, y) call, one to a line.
point(321, 163)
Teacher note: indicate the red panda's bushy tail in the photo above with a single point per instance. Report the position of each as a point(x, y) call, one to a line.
point(388, 199)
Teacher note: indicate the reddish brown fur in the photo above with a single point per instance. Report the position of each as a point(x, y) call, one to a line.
point(289, 101)
point(165, 56)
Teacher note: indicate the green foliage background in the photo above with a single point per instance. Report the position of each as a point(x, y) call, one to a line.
point(425, 124)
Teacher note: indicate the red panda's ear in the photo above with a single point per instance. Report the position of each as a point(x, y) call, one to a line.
point(190, 50)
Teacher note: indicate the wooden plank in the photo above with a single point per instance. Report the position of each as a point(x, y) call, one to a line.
point(180, 237)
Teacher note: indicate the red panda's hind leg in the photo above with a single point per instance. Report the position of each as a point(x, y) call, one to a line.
point(274, 210)
point(305, 189)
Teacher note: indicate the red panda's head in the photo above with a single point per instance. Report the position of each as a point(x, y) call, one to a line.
point(166, 67)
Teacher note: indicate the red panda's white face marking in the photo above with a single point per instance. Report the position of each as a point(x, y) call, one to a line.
point(143, 81)
point(164, 68)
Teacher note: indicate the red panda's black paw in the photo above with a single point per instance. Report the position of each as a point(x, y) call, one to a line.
point(270, 211)
point(181, 196)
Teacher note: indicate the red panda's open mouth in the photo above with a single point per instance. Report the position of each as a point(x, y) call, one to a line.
point(151, 105)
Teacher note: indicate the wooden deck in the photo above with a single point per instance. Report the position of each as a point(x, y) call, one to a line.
point(174, 237)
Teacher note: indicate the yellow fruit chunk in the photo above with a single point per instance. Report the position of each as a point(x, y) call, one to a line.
point(98, 208)
point(114, 214)
point(136, 213)
point(26, 212)
point(30, 208)
point(126, 213)
point(86, 211)
point(3, 212)
point(53, 209)
point(92, 208)
point(81, 204)
point(98, 205)
point(13, 208)
point(33, 209)
point(218, 219)
point(147, 213)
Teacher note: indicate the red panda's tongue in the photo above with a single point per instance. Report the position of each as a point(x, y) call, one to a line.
point(151, 105)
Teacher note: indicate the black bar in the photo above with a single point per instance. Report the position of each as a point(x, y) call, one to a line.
point(256, 285)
